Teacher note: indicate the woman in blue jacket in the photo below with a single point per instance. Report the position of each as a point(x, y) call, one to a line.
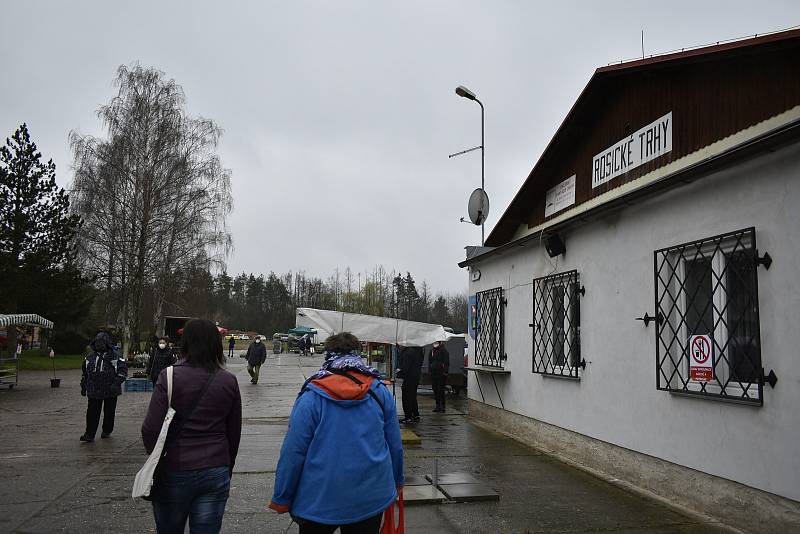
point(341, 463)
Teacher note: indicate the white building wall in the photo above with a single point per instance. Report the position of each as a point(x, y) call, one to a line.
point(616, 400)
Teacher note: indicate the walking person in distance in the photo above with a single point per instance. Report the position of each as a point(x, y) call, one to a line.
point(256, 356)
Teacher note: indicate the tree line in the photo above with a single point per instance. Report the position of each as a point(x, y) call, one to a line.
point(267, 303)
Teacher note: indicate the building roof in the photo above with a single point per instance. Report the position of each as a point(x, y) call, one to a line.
point(580, 126)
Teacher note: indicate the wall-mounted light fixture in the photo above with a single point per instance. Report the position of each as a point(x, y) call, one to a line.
point(554, 245)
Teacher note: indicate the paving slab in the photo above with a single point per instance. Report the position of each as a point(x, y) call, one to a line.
point(454, 478)
point(417, 480)
point(422, 495)
point(469, 492)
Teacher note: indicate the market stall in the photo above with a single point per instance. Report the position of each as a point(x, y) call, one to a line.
point(382, 335)
point(14, 328)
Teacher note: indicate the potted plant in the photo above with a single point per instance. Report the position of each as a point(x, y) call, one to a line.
point(54, 382)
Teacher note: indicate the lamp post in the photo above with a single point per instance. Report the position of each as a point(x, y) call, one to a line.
point(469, 95)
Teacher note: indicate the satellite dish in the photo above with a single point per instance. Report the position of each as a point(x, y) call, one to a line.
point(478, 206)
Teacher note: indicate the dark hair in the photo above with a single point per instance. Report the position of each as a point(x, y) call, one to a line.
point(201, 344)
point(342, 342)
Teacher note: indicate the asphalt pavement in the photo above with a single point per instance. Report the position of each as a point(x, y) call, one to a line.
point(51, 482)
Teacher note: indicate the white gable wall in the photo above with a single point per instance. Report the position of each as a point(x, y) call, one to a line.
point(616, 400)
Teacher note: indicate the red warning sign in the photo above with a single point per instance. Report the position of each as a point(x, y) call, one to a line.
point(701, 358)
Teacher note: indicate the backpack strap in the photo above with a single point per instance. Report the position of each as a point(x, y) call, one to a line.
point(344, 373)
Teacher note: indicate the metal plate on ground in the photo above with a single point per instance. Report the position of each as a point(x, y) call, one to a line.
point(416, 480)
point(469, 492)
point(422, 495)
point(454, 478)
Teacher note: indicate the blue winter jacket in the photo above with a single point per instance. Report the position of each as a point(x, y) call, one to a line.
point(342, 458)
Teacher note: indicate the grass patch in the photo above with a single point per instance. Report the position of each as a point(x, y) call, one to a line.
point(35, 360)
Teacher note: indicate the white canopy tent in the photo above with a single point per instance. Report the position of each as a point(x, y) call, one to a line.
point(24, 319)
point(372, 328)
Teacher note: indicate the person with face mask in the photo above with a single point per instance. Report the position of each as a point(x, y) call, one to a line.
point(439, 366)
point(256, 356)
point(103, 372)
point(161, 357)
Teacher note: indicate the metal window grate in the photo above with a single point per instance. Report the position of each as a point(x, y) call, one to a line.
point(706, 305)
point(489, 332)
point(557, 325)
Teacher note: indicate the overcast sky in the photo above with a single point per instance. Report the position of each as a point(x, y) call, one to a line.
point(338, 116)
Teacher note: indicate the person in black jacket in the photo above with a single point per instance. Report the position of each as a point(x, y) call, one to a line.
point(103, 372)
point(410, 370)
point(256, 355)
point(439, 366)
point(161, 357)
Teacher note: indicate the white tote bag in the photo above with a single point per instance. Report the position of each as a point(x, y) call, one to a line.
point(144, 478)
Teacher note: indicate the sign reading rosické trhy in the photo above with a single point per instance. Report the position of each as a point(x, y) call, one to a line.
point(642, 146)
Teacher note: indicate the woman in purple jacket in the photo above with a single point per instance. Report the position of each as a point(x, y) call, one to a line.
point(193, 477)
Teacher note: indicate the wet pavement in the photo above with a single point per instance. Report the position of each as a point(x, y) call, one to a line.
point(53, 483)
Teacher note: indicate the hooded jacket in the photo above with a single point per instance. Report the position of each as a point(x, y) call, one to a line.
point(342, 458)
point(256, 353)
point(103, 372)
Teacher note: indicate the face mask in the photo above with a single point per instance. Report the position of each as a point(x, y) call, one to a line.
point(436, 345)
point(162, 345)
point(258, 341)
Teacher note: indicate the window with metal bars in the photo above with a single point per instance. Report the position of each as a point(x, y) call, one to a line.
point(707, 328)
point(489, 329)
point(557, 325)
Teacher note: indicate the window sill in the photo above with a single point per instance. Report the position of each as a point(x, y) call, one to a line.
point(489, 370)
point(560, 377)
point(757, 403)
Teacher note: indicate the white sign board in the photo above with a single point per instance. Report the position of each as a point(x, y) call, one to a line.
point(560, 197)
point(641, 146)
point(701, 358)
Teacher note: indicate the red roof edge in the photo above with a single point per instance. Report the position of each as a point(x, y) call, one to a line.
point(703, 50)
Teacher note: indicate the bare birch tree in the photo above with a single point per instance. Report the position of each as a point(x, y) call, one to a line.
point(154, 196)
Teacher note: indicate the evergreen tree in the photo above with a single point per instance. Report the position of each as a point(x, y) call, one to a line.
point(36, 232)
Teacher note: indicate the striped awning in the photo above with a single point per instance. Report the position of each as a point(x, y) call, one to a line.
point(24, 318)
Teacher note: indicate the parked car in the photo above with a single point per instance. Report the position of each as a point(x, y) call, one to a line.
point(244, 336)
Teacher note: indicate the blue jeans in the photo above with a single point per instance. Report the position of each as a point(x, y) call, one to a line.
point(199, 496)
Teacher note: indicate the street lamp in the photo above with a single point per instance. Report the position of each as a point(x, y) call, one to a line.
point(469, 95)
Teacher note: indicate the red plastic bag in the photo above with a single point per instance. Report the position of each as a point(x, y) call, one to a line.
point(389, 526)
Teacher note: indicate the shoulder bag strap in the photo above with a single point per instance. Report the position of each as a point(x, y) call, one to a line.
point(169, 386)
